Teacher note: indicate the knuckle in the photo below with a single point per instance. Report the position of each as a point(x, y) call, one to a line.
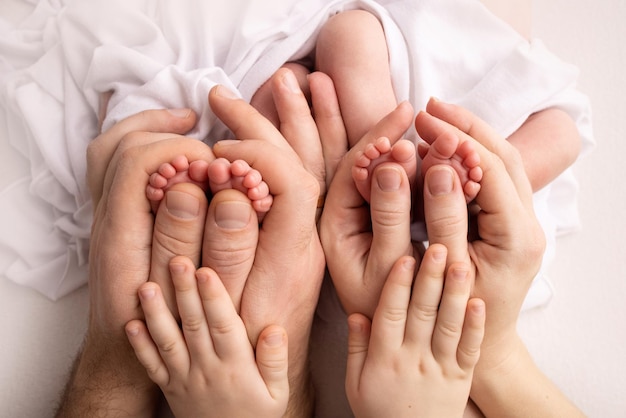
point(394, 315)
point(449, 328)
point(193, 325)
point(425, 313)
point(168, 346)
point(223, 327)
point(445, 226)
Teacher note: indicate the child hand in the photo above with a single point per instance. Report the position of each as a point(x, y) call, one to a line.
point(208, 368)
point(416, 358)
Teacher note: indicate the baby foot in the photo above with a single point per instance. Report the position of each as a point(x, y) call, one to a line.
point(402, 152)
point(179, 170)
point(240, 176)
point(460, 155)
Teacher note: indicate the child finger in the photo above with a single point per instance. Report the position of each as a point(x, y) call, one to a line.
point(451, 315)
point(164, 329)
point(193, 322)
point(426, 297)
point(473, 332)
point(147, 352)
point(227, 331)
point(389, 323)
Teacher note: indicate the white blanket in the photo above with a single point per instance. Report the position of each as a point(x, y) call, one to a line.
point(169, 53)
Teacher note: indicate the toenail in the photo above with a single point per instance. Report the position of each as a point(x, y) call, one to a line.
point(182, 205)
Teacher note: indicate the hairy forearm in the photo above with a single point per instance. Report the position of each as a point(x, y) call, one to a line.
point(101, 386)
point(301, 399)
point(517, 388)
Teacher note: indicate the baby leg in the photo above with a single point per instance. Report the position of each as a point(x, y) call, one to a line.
point(460, 155)
point(240, 176)
point(374, 154)
point(179, 170)
point(352, 49)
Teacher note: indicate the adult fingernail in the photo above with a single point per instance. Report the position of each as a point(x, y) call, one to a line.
point(275, 339)
point(440, 181)
point(225, 93)
point(179, 113)
point(182, 205)
point(233, 215)
point(388, 179)
point(289, 80)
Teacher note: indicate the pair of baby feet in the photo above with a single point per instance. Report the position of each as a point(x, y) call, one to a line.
point(221, 174)
point(446, 149)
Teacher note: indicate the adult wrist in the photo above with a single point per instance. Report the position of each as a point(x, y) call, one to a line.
point(499, 366)
point(107, 380)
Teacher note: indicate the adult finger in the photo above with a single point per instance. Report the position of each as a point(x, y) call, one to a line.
point(297, 124)
point(100, 151)
point(231, 235)
point(243, 120)
point(327, 115)
point(445, 211)
point(390, 209)
point(272, 361)
point(178, 231)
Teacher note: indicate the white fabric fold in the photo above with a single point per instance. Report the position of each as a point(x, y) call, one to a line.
point(169, 53)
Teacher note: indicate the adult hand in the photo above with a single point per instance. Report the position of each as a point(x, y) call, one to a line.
point(507, 252)
point(282, 284)
point(505, 256)
point(366, 240)
point(107, 377)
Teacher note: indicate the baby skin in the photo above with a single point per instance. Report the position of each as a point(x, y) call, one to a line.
point(446, 149)
point(460, 154)
point(219, 174)
point(378, 152)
